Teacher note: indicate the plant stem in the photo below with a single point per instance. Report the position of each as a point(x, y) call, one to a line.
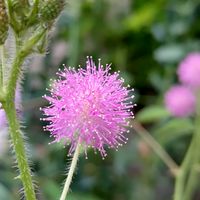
point(18, 145)
point(70, 173)
point(193, 175)
point(187, 178)
point(156, 147)
point(18, 61)
point(183, 172)
point(2, 66)
point(15, 71)
point(191, 183)
point(8, 104)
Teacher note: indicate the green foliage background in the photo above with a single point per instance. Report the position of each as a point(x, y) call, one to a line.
point(145, 40)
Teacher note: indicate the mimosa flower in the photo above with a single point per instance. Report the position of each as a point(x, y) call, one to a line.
point(90, 106)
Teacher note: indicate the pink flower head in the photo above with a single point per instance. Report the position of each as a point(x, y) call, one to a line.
point(180, 101)
point(90, 106)
point(189, 70)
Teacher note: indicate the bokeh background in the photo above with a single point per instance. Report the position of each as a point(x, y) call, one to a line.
point(146, 41)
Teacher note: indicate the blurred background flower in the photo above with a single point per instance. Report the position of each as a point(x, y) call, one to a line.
point(189, 70)
point(180, 101)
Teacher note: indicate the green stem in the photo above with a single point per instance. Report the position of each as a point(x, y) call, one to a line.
point(9, 107)
point(183, 172)
point(70, 173)
point(18, 145)
point(187, 178)
point(193, 176)
point(18, 61)
point(15, 71)
point(2, 66)
point(191, 183)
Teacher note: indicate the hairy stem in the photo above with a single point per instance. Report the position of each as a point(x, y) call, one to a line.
point(2, 66)
point(7, 101)
point(14, 75)
point(18, 145)
point(18, 61)
point(70, 173)
point(156, 147)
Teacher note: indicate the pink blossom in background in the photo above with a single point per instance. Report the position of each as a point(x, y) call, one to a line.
point(90, 106)
point(180, 101)
point(3, 121)
point(189, 70)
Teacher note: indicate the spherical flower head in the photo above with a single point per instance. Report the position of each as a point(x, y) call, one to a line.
point(180, 101)
point(189, 70)
point(90, 106)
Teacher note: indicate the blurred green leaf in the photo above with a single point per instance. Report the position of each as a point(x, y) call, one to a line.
point(178, 27)
point(170, 53)
point(173, 129)
point(152, 114)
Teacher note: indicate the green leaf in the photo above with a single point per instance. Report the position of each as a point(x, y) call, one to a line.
point(152, 114)
point(173, 129)
point(170, 53)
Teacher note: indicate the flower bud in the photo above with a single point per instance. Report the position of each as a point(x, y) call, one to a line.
point(50, 9)
point(3, 22)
